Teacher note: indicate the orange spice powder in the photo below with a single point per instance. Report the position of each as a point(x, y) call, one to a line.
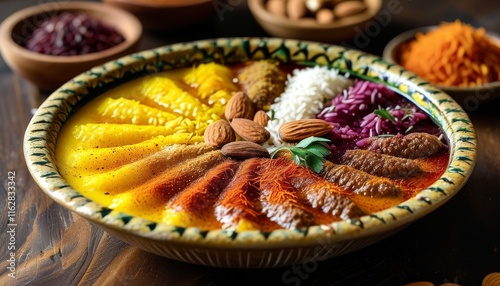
point(454, 54)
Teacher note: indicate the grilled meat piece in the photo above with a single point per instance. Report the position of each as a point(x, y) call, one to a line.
point(154, 195)
point(203, 194)
point(411, 146)
point(382, 165)
point(240, 199)
point(176, 179)
point(281, 202)
point(359, 182)
point(310, 191)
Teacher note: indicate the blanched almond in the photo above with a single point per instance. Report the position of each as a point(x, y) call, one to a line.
point(314, 5)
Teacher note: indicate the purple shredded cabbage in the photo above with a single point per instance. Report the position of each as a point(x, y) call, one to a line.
point(353, 118)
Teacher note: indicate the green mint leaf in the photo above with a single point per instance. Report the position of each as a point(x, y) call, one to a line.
point(299, 152)
point(308, 153)
point(316, 153)
point(319, 149)
point(308, 141)
point(316, 165)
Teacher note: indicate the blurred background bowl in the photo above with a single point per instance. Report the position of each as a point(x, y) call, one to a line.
point(463, 95)
point(48, 72)
point(167, 14)
point(339, 30)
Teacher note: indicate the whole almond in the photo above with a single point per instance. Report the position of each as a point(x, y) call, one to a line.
point(325, 16)
point(261, 117)
point(239, 106)
point(250, 130)
point(277, 7)
point(349, 8)
point(244, 150)
point(219, 133)
point(296, 9)
point(297, 130)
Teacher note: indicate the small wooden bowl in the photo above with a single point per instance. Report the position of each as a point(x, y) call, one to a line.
point(469, 97)
point(48, 72)
point(343, 29)
point(167, 14)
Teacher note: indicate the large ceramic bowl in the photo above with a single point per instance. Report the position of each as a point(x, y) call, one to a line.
point(227, 248)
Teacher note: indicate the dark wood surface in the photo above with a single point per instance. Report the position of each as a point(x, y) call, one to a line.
point(458, 243)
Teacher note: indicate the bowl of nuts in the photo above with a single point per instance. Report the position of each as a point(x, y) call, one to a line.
point(331, 21)
point(48, 44)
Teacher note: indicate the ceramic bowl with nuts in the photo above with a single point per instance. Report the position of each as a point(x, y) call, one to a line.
point(331, 21)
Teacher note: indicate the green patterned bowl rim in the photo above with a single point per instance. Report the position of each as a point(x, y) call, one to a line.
point(41, 135)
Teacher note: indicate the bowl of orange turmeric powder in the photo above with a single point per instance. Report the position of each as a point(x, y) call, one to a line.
point(456, 57)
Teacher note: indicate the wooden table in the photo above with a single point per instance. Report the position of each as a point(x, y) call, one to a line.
point(458, 243)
